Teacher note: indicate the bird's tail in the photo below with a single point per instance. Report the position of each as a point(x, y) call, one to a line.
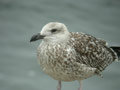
point(117, 50)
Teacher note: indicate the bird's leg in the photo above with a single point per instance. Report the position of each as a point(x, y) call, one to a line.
point(59, 85)
point(80, 88)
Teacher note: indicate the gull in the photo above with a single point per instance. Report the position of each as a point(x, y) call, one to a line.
point(69, 56)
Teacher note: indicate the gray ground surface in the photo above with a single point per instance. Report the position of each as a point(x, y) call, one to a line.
point(20, 19)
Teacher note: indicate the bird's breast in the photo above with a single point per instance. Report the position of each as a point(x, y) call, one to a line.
point(59, 61)
point(54, 60)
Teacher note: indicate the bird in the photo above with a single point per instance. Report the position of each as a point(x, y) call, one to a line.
point(69, 56)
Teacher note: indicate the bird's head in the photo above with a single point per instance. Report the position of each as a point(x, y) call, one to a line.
point(52, 32)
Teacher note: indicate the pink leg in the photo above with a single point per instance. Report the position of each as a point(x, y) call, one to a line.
point(80, 88)
point(59, 85)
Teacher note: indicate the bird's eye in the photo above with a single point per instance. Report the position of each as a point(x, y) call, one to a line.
point(53, 30)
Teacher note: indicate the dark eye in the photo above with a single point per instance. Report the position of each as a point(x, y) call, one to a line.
point(53, 30)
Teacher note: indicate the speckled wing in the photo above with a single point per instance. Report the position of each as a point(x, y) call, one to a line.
point(91, 51)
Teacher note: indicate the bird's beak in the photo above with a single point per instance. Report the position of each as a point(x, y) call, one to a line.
point(36, 37)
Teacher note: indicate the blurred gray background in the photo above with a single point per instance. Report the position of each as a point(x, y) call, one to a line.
point(20, 19)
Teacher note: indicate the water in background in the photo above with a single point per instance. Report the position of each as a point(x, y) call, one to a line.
point(20, 19)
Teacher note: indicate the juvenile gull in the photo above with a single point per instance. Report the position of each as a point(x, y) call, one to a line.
point(69, 56)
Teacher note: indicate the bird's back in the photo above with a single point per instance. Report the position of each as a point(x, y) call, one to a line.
point(92, 52)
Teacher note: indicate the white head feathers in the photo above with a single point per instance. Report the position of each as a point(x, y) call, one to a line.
point(55, 32)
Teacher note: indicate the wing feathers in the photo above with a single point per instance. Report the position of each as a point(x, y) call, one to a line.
point(92, 51)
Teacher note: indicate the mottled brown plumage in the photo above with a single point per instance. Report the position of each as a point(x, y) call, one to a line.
point(93, 52)
point(69, 56)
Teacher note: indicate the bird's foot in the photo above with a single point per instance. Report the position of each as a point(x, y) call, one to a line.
point(80, 88)
point(59, 85)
